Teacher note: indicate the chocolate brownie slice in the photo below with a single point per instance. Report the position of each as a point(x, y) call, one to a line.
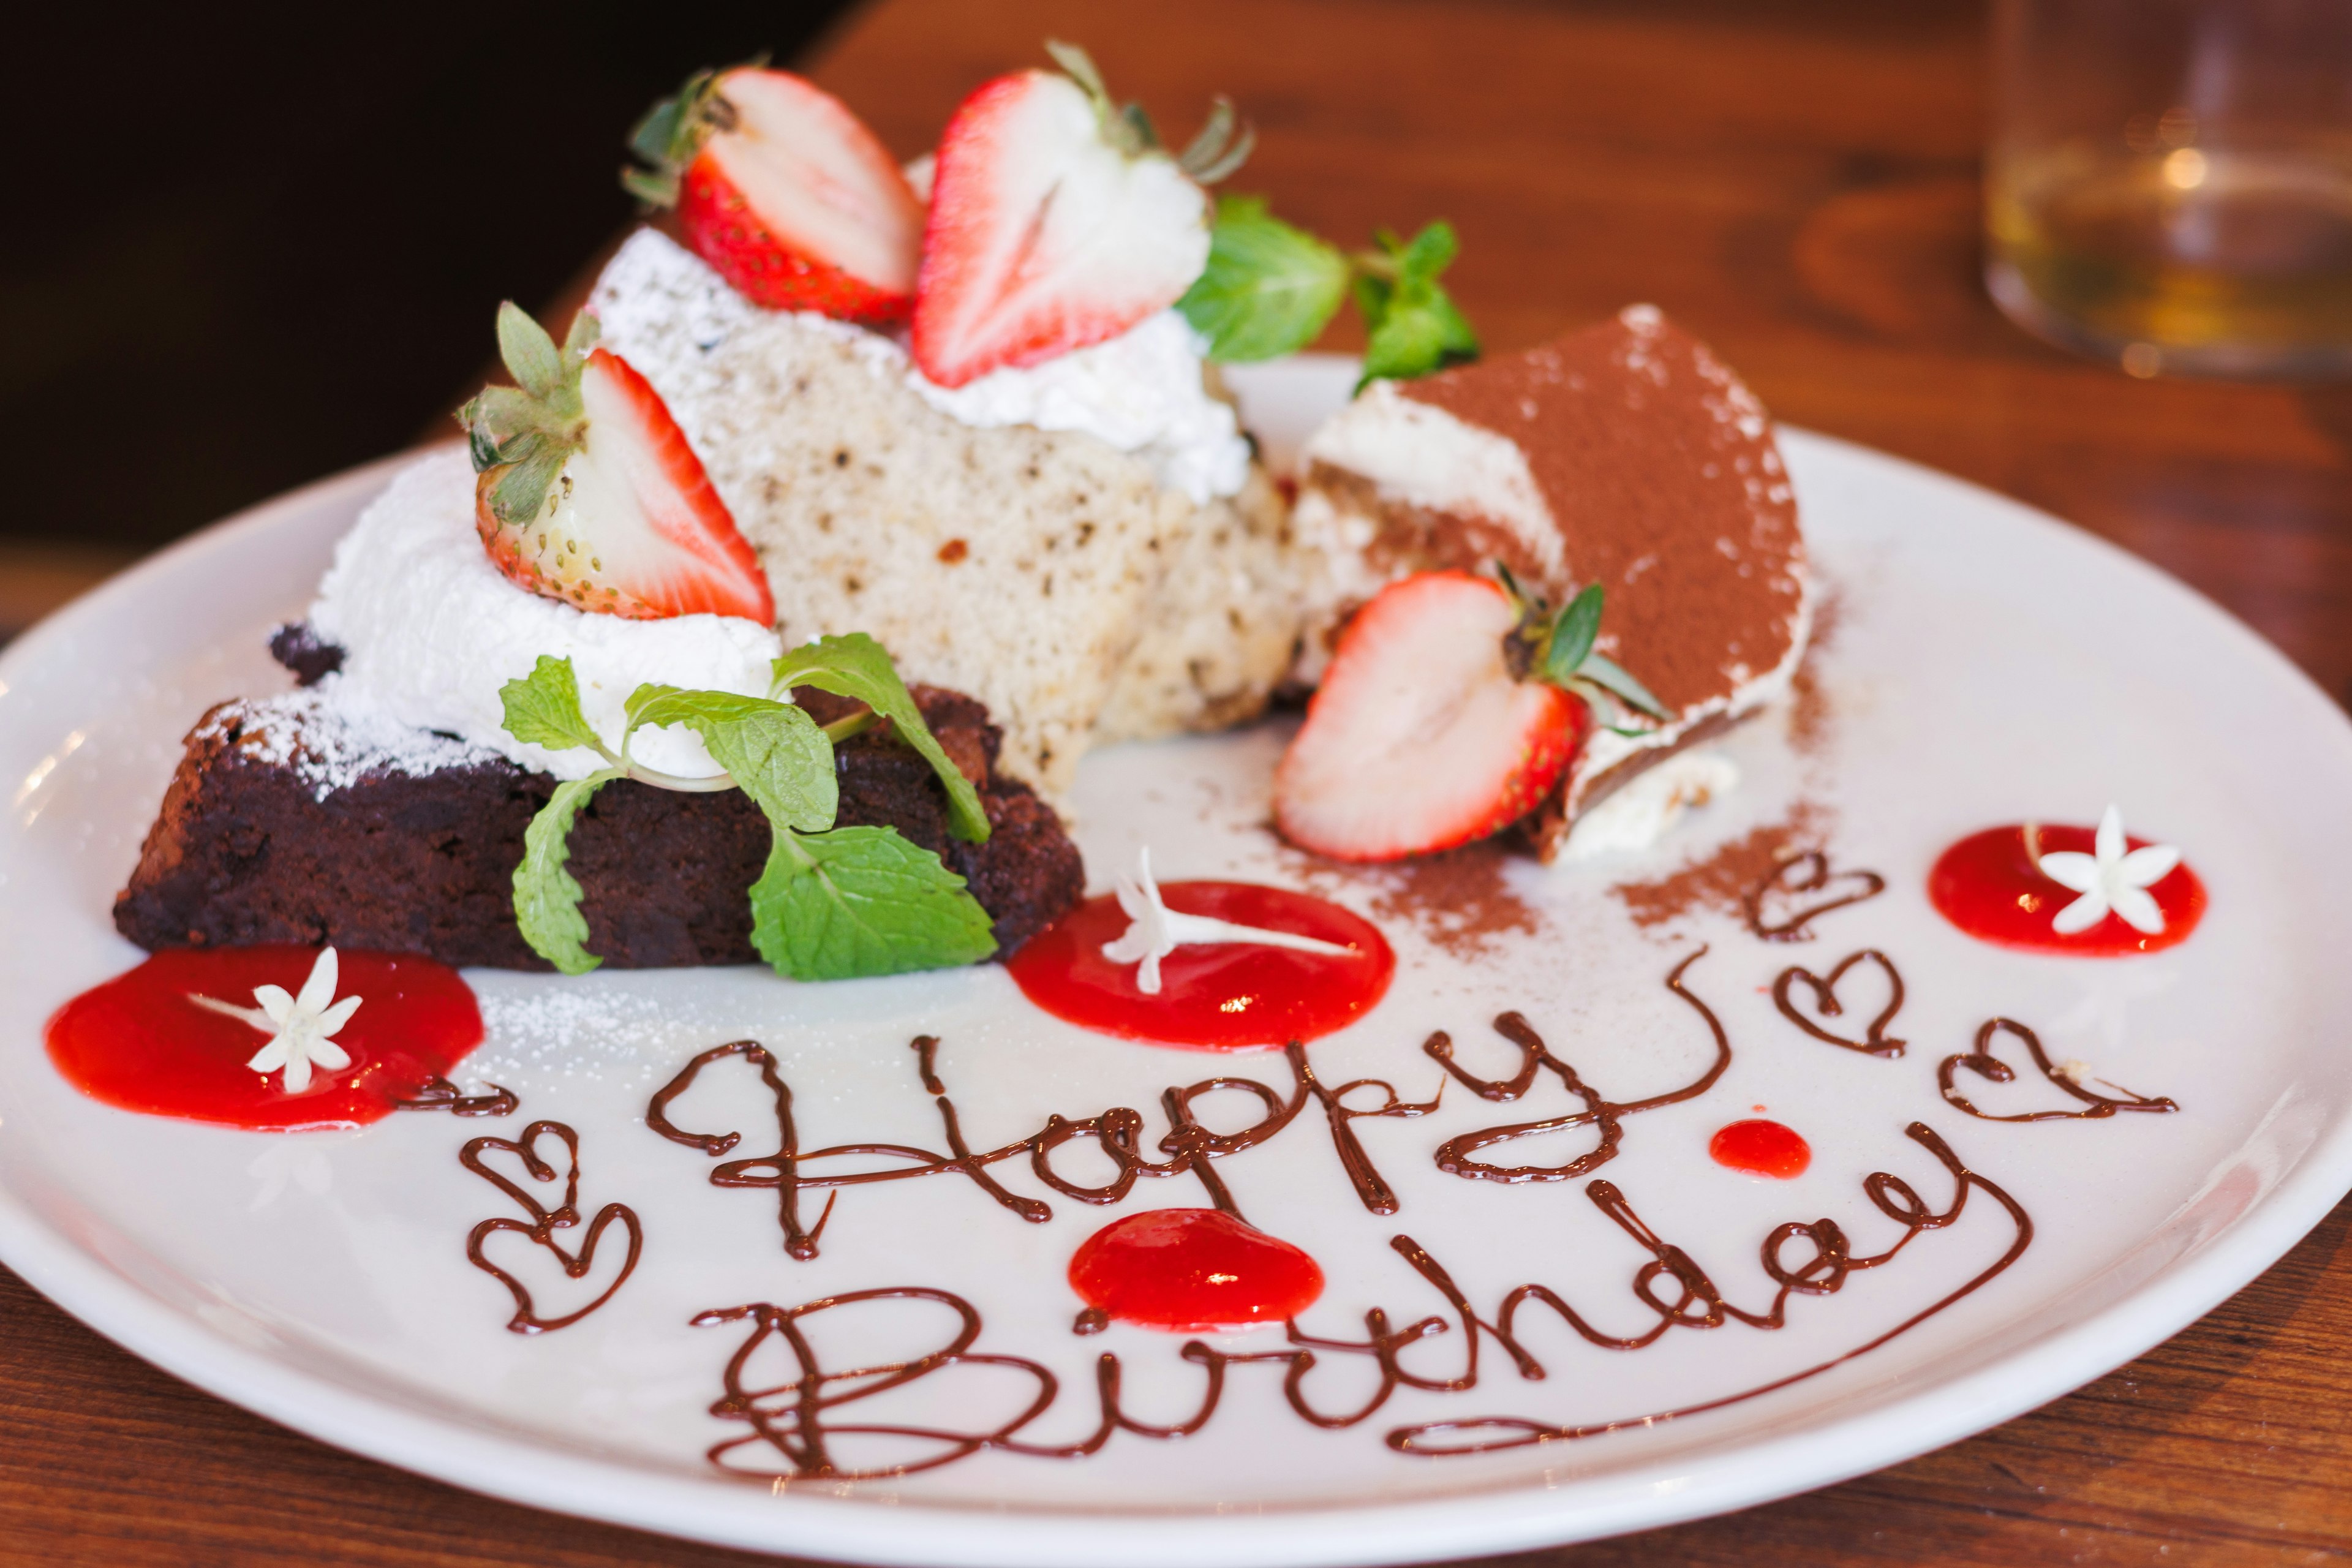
point(293, 820)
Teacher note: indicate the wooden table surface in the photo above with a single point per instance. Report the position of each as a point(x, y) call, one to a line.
point(1798, 182)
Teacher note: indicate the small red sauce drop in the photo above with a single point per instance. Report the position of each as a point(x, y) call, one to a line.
point(1990, 887)
point(1761, 1149)
point(137, 1042)
point(1193, 1272)
point(1223, 996)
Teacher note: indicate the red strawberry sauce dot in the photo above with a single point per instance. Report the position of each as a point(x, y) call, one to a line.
point(1225, 997)
point(1761, 1148)
point(1990, 887)
point(138, 1043)
point(1193, 1272)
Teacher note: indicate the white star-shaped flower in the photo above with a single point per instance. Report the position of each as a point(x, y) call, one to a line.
point(2112, 879)
point(1154, 930)
point(301, 1029)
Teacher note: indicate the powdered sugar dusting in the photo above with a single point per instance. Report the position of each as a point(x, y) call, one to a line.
point(331, 739)
point(665, 311)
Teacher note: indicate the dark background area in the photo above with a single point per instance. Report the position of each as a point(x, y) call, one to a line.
point(254, 244)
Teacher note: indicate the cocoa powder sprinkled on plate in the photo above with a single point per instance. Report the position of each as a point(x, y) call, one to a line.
point(1460, 900)
point(1718, 880)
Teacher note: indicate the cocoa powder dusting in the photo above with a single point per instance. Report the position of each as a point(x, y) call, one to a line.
point(1809, 703)
point(1722, 878)
point(1661, 474)
point(1460, 900)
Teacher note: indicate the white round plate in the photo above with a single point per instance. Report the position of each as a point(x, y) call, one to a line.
point(1989, 664)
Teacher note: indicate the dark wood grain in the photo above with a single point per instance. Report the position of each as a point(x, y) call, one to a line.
point(1798, 182)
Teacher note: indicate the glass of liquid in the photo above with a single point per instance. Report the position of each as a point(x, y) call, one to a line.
point(2168, 184)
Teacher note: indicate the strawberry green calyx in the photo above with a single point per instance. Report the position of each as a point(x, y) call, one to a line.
point(532, 428)
point(673, 130)
point(1222, 146)
point(1557, 648)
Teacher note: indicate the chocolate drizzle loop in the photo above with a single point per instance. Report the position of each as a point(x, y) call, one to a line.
point(1606, 1116)
point(545, 1222)
point(1697, 1303)
point(789, 1417)
point(1191, 1147)
point(1799, 874)
point(792, 1415)
point(440, 1094)
point(1980, 1061)
point(1875, 1041)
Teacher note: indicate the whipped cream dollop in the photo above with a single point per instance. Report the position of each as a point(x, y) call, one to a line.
point(1145, 391)
point(430, 630)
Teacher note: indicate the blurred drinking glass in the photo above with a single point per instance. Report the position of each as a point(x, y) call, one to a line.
point(2170, 181)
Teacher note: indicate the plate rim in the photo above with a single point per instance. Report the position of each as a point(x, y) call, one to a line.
point(1513, 1514)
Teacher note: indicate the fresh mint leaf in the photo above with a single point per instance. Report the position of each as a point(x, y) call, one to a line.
point(542, 708)
point(863, 900)
point(857, 667)
point(1413, 326)
point(1269, 288)
point(546, 896)
point(775, 753)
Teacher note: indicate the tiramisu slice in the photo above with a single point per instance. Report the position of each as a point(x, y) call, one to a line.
point(1626, 457)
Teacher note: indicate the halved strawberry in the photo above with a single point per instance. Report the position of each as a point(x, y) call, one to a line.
point(589, 493)
point(784, 192)
point(1421, 738)
point(1056, 221)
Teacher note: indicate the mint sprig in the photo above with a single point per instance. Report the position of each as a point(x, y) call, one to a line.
point(773, 752)
point(1270, 289)
point(856, 666)
point(546, 895)
point(832, 902)
point(863, 900)
point(1412, 325)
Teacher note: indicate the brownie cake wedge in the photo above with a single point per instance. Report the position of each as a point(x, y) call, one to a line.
point(298, 818)
point(1624, 456)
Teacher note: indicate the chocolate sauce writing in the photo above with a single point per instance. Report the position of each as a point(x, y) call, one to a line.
point(1606, 1116)
point(1875, 1041)
point(1775, 907)
point(777, 1382)
point(1980, 1061)
point(1192, 1149)
point(545, 1222)
point(440, 1094)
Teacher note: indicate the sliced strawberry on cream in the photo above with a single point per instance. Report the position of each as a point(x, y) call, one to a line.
point(588, 492)
point(785, 194)
point(1057, 221)
point(1420, 738)
point(1452, 707)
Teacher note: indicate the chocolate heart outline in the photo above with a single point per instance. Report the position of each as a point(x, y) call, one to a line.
point(1993, 1069)
point(526, 1148)
point(545, 1222)
point(1815, 877)
point(1874, 1041)
point(576, 1266)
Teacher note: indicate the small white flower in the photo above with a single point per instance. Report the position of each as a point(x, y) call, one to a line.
point(301, 1029)
point(1155, 930)
point(2113, 879)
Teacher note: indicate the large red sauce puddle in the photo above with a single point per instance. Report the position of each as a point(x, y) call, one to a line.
point(139, 1043)
point(1989, 885)
point(1225, 997)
